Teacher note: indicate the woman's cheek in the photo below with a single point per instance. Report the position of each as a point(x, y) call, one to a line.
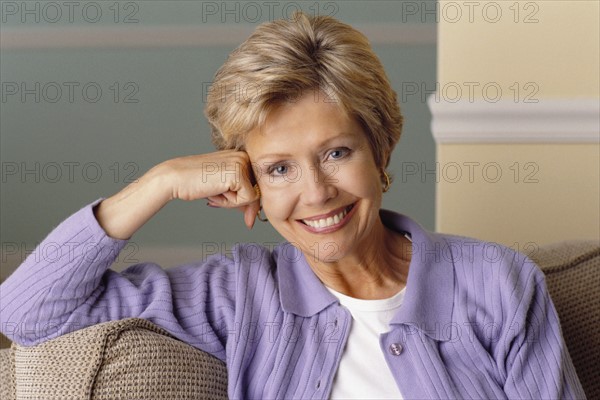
point(278, 203)
point(358, 180)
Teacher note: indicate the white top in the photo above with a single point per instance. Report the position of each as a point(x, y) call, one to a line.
point(363, 372)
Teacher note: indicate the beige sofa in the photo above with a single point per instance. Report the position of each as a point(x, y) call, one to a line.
point(134, 359)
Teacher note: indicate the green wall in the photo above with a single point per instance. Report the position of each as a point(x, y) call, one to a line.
point(69, 143)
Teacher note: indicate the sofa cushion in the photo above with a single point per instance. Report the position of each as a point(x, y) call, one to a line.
point(143, 364)
point(126, 359)
point(572, 272)
point(7, 374)
point(61, 368)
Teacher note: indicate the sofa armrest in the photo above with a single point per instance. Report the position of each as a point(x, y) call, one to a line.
point(7, 374)
point(572, 271)
point(126, 359)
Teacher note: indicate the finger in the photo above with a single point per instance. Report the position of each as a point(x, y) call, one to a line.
point(230, 199)
point(250, 213)
point(216, 201)
point(246, 195)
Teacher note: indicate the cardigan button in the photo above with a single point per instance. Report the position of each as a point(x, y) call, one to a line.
point(396, 349)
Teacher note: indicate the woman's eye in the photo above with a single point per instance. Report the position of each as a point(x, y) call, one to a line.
point(278, 170)
point(339, 153)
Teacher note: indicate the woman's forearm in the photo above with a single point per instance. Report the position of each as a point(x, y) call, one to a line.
point(65, 284)
point(222, 177)
point(122, 214)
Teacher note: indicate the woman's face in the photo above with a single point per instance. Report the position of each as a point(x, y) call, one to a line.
point(320, 187)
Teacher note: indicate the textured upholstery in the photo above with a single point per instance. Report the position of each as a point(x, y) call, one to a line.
point(573, 279)
point(153, 366)
point(134, 359)
point(7, 375)
point(127, 359)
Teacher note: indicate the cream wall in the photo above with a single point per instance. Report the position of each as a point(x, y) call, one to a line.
point(559, 52)
point(549, 189)
point(544, 193)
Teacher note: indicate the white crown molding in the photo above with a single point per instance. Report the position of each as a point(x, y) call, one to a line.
point(184, 36)
point(547, 121)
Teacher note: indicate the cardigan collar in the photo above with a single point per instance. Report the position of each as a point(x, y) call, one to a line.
point(429, 297)
point(301, 292)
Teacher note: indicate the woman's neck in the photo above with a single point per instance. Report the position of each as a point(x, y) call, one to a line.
point(376, 269)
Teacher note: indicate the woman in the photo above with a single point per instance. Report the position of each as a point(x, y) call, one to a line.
point(360, 302)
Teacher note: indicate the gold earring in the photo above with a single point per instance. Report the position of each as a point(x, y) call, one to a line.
point(265, 219)
point(257, 190)
point(387, 182)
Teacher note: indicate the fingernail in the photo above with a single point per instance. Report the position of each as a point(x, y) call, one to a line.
point(212, 205)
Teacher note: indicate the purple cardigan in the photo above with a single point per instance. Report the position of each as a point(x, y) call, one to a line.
point(476, 322)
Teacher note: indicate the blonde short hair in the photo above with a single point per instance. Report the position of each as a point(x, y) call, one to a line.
point(284, 58)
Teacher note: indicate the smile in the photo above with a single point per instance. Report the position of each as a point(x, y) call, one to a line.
point(329, 222)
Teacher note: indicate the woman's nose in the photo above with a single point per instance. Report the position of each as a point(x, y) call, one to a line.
point(318, 187)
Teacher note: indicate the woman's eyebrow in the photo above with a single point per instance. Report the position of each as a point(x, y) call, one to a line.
point(324, 143)
point(274, 155)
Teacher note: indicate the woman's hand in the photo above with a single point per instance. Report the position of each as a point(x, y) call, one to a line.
point(224, 178)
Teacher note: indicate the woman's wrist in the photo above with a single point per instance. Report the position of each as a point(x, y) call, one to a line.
point(122, 214)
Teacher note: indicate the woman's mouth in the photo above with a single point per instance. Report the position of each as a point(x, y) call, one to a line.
point(329, 222)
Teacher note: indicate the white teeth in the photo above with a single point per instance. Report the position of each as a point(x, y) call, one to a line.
point(326, 222)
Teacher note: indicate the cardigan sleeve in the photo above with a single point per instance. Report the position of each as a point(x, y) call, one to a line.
point(538, 365)
point(65, 285)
